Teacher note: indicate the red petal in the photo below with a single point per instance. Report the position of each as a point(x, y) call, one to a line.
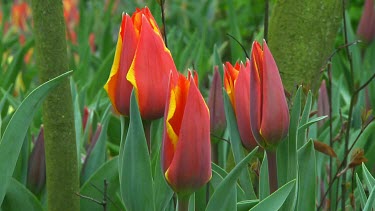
point(242, 97)
point(118, 87)
point(275, 112)
point(191, 165)
point(150, 70)
point(255, 92)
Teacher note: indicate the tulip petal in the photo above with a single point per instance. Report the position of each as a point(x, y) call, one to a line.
point(191, 164)
point(242, 96)
point(117, 87)
point(150, 70)
point(275, 112)
point(216, 104)
point(230, 77)
point(255, 92)
point(173, 115)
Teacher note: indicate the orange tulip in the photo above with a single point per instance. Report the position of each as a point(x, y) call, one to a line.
point(141, 61)
point(269, 116)
point(237, 85)
point(186, 154)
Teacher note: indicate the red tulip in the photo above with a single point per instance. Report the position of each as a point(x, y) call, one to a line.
point(141, 61)
point(269, 116)
point(366, 26)
point(216, 104)
point(237, 85)
point(186, 155)
point(36, 173)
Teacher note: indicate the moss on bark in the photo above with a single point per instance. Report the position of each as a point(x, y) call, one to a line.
point(301, 37)
point(58, 118)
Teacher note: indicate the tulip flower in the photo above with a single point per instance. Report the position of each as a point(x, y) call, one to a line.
point(36, 173)
point(186, 155)
point(366, 26)
point(216, 104)
point(142, 62)
point(237, 85)
point(269, 116)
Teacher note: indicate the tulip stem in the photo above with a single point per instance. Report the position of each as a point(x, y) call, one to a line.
point(272, 170)
point(183, 202)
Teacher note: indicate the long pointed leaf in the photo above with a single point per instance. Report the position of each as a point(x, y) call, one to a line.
point(264, 186)
point(306, 177)
point(275, 200)
point(362, 194)
point(136, 177)
point(17, 193)
point(220, 199)
point(16, 130)
point(237, 148)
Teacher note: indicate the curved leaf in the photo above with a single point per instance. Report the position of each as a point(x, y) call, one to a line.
point(275, 200)
point(16, 130)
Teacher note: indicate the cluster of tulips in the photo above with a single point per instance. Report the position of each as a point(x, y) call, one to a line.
point(143, 62)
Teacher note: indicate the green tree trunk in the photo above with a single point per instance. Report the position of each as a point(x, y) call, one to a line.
point(301, 38)
point(58, 119)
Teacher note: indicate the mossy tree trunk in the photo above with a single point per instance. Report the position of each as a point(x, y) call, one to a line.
point(58, 119)
point(301, 38)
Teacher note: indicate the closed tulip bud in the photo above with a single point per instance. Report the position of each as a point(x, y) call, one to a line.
point(237, 85)
point(269, 116)
point(143, 62)
point(186, 155)
point(216, 104)
point(366, 26)
point(36, 174)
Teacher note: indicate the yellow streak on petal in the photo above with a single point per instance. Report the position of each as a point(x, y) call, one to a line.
point(171, 110)
point(116, 61)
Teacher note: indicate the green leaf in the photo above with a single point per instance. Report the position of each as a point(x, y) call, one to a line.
point(289, 156)
point(362, 195)
point(293, 134)
point(276, 199)
point(237, 148)
point(136, 182)
point(221, 173)
point(246, 205)
point(109, 172)
point(304, 118)
point(217, 179)
point(220, 199)
point(370, 181)
point(370, 202)
point(306, 177)
point(163, 193)
point(264, 186)
point(97, 156)
point(17, 127)
point(18, 197)
point(312, 121)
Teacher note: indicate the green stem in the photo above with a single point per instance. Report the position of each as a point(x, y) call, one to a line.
point(272, 170)
point(183, 202)
point(58, 118)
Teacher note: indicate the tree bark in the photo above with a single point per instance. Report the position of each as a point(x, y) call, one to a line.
point(301, 38)
point(60, 145)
